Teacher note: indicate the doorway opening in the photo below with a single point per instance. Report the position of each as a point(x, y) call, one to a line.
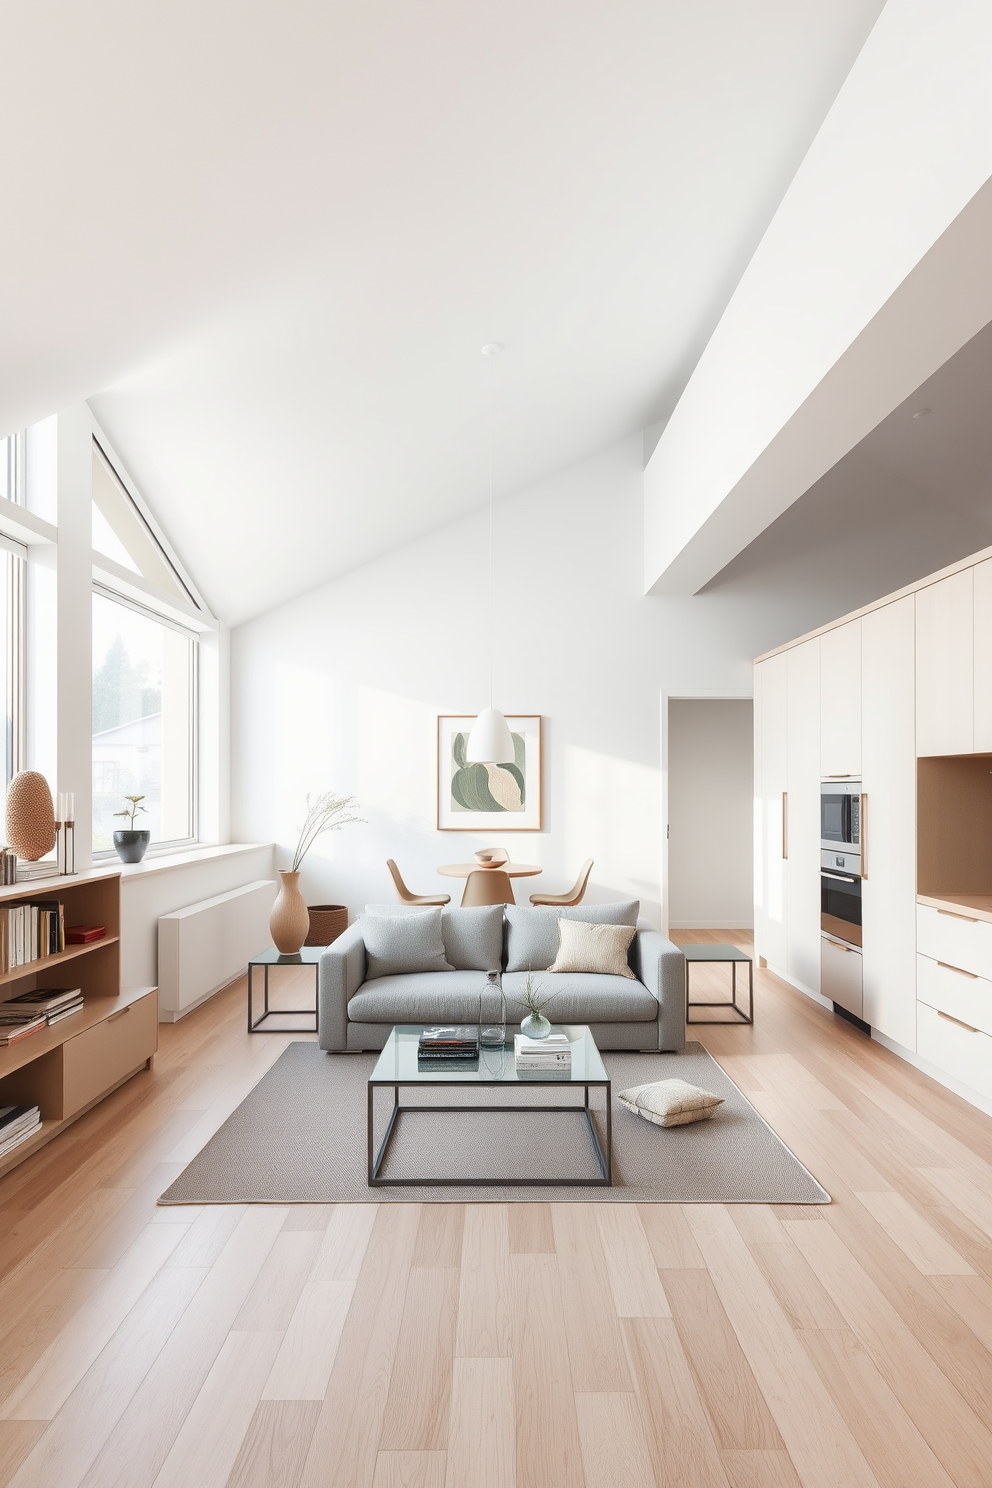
point(709, 775)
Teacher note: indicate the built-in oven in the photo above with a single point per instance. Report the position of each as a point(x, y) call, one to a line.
point(840, 816)
point(841, 979)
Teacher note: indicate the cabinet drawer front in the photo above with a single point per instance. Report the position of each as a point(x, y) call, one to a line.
point(94, 1061)
point(958, 941)
point(965, 1056)
point(947, 990)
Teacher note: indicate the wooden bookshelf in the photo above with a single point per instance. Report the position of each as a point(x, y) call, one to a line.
point(68, 1068)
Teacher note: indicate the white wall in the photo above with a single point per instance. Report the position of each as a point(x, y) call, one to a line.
point(710, 793)
point(341, 688)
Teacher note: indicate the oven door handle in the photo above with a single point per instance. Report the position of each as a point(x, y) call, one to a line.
point(839, 877)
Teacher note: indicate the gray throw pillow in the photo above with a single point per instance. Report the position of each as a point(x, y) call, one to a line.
point(397, 944)
point(532, 937)
point(473, 938)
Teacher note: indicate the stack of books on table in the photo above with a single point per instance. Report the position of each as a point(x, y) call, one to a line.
point(55, 1003)
point(17, 1125)
point(547, 1056)
point(448, 1045)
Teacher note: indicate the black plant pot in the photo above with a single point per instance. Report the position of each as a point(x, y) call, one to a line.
point(132, 846)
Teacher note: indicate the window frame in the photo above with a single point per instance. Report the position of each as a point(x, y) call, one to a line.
point(147, 612)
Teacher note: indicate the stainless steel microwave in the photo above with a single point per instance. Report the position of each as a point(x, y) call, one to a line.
point(840, 817)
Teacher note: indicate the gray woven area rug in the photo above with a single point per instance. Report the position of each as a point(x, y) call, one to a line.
point(300, 1137)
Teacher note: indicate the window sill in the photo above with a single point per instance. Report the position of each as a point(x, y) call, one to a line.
point(185, 857)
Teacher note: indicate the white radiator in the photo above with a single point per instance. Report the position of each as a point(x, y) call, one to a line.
point(205, 946)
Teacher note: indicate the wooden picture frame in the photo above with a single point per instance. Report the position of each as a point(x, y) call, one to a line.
point(489, 798)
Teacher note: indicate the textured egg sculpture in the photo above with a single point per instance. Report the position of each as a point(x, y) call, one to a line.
point(30, 816)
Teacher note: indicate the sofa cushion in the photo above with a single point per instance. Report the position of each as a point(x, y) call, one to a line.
point(601, 948)
point(532, 934)
point(395, 944)
point(473, 938)
point(584, 997)
point(423, 997)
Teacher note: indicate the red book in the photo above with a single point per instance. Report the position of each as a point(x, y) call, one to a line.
point(83, 934)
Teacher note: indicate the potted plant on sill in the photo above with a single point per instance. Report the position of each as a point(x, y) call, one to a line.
point(289, 921)
point(132, 844)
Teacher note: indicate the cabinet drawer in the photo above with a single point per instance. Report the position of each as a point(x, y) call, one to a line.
point(105, 1054)
point(965, 1056)
point(951, 937)
point(967, 998)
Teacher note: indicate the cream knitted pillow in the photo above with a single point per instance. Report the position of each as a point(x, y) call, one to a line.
point(670, 1102)
point(602, 948)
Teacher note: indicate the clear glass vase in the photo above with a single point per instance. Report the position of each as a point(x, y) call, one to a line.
point(492, 1012)
point(535, 1026)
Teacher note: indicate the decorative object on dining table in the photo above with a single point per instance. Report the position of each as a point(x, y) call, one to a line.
point(30, 816)
point(480, 797)
point(492, 1012)
point(289, 922)
point(491, 857)
point(131, 842)
point(536, 997)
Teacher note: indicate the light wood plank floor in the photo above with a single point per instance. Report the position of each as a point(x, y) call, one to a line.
point(450, 1346)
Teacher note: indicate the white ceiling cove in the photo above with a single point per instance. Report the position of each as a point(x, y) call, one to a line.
point(268, 242)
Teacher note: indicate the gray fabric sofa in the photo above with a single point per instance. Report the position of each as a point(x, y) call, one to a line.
point(645, 1013)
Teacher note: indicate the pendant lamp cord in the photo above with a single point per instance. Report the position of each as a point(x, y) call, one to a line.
point(491, 359)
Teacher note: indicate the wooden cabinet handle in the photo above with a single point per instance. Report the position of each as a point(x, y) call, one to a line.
point(119, 1014)
point(953, 915)
point(960, 970)
point(785, 824)
point(948, 1019)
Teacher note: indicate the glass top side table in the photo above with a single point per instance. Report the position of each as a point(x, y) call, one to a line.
point(723, 953)
point(265, 961)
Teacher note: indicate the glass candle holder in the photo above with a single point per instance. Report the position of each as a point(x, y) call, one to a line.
point(68, 815)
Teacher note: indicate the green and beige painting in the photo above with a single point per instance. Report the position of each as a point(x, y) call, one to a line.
point(488, 787)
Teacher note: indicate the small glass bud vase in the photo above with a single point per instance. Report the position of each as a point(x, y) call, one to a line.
point(492, 1012)
point(535, 1026)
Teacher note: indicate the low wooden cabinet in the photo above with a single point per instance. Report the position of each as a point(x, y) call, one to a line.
point(67, 1068)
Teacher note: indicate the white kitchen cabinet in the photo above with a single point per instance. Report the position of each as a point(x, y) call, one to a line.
point(771, 784)
point(983, 656)
point(945, 667)
point(840, 700)
point(802, 865)
point(888, 768)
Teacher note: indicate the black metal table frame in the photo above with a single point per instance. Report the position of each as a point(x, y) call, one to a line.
point(310, 1012)
point(376, 1160)
point(732, 1005)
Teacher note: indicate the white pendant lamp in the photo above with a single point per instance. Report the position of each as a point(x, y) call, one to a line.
point(490, 741)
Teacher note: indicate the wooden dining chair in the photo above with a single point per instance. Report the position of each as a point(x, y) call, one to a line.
point(574, 895)
point(487, 886)
point(427, 901)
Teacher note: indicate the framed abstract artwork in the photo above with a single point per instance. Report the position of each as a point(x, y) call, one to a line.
point(491, 798)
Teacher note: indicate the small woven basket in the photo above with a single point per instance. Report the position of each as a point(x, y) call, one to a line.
point(327, 922)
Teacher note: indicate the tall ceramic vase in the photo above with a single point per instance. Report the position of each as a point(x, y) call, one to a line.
point(289, 921)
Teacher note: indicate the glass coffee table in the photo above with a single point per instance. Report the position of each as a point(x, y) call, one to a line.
point(397, 1068)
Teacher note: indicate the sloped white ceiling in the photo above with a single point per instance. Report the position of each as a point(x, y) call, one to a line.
point(268, 242)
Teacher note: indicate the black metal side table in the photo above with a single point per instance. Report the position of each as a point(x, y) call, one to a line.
point(730, 953)
point(305, 956)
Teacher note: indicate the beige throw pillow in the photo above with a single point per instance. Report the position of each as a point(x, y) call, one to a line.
point(602, 948)
point(670, 1102)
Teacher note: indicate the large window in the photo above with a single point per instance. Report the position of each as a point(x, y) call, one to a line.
point(144, 722)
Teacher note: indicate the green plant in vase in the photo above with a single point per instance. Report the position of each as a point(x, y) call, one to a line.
point(536, 997)
point(131, 842)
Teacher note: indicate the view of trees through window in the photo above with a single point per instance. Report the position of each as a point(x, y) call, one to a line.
point(143, 685)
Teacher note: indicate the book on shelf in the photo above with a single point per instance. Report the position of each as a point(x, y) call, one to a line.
point(17, 1124)
point(44, 868)
point(65, 1012)
point(14, 1026)
point(8, 866)
point(30, 930)
point(42, 1000)
point(83, 934)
